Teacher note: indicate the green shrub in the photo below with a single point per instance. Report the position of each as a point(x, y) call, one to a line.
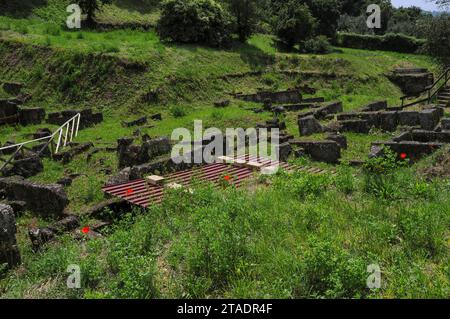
point(304, 185)
point(329, 271)
point(424, 228)
point(177, 111)
point(317, 45)
point(381, 176)
point(194, 21)
point(344, 180)
point(52, 29)
point(294, 23)
point(388, 42)
point(216, 242)
point(438, 38)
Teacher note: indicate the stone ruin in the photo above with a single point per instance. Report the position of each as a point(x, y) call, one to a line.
point(9, 250)
point(74, 150)
point(29, 163)
point(11, 111)
point(412, 81)
point(387, 120)
point(288, 96)
point(41, 199)
point(40, 236)
point(88, 118)
point(130, 154)
point(12, 88)
point(414, 144)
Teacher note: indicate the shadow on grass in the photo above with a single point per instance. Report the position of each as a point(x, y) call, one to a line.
point(141, 6)
point(19, 8)
point(254, 56)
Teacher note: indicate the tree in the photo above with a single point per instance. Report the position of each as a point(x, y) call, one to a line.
point(90, 8)
point(353, 7)
point(194, 21)
point(443, 3)
point(294, 22)
point(386, 14)
point(438, 38)
point(246, 16)
point(327, 12)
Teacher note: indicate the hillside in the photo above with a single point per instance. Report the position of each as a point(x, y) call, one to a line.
point(289, 236)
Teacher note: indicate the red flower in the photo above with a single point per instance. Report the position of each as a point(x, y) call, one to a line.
point(403, 156)
point(227, 178)
point(130, 191)
point(85, 230)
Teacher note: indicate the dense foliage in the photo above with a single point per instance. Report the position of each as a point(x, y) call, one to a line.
point(90, 7)
point(438, 38)
point(294, 23)
point(194, 21)
point(388, 42)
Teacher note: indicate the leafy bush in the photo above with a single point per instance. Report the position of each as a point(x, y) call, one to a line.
point(423, 228)
point(217, 240)
point(177, 111)
point(388, 42)
point(327, 12)
point(52, 29)
point(329, 271)
point(294, 23)
point(438, 38)
point(194, 21)
point(317, 45)
point(90, 8)
point(304, 185)
point(246, 15)
point(380, 177)
point(344, 180)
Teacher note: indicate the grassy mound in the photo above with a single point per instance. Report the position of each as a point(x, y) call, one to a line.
point(302, 236)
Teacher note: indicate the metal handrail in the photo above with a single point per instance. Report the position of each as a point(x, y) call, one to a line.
point(430, 97)
point(71, 125)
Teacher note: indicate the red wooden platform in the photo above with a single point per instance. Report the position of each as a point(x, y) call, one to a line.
point(140, 193)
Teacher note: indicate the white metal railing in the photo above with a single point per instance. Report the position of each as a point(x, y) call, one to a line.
point(65, 133)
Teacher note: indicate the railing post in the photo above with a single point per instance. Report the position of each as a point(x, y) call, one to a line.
point(67, 134)
point(58, 144)
point(73, 128)
point(78, 124)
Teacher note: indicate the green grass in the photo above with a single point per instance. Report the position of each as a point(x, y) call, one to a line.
point(302, 236)
point(306, 236)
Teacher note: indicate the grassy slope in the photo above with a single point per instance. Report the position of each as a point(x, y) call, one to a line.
point(272, 243)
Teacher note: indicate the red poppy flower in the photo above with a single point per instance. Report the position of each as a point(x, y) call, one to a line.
point(403, 156)
point(227, 178)
point(85, 230)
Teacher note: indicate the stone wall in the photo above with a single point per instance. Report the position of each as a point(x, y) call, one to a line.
point(361, 122)
point(411, 81)
point(28, 116)
point(288, 96)
point(41, 199)
point(131, 155)
point(9, 112)
point(88, 118)
point(9, 251)
point(323, 151)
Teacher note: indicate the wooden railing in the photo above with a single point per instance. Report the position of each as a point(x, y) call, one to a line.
point(64, 134)
point(430, 92)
